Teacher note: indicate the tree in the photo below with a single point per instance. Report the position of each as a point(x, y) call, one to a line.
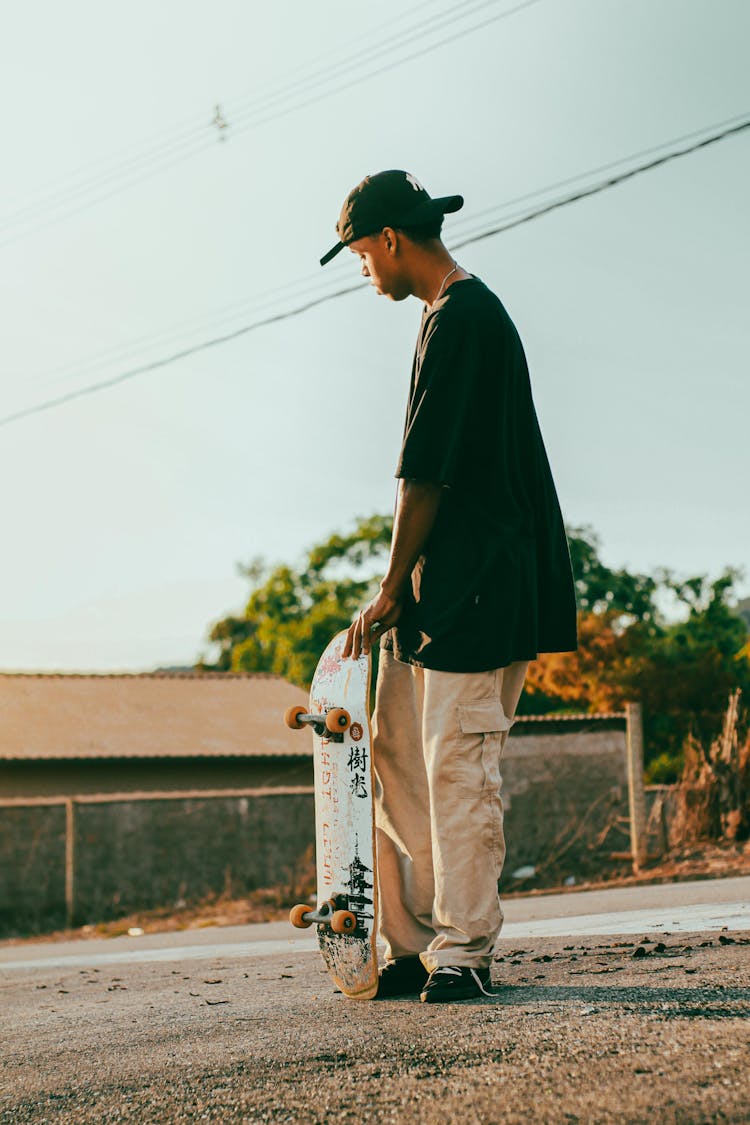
point(292, 613)
point(685, 673)
point(611, 603)
point(743, 610)
point(681, 670)
point(600, 589)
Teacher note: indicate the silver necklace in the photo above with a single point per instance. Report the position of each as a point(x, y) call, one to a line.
point(442, 283)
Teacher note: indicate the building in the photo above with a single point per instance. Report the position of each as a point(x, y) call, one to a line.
point(124, 792)
point(67, 736)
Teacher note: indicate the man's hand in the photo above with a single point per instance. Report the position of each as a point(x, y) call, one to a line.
point(417, 505)
point(370, 624)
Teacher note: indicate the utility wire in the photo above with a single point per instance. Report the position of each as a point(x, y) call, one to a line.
point(554, 205)
point(106, 384)
point(389, 47)
point(392, 43)
point(157, 145)
point(696, 134)
point(260, 112)
point(335, 272)
point(298, 289)
point(316, 284)
point(184, 150)
point(603, 185)
point(310, 284)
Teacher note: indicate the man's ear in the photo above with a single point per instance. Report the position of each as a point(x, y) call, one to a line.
point(391, 239)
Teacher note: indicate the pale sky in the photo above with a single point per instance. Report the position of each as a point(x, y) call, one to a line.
point(129, 231)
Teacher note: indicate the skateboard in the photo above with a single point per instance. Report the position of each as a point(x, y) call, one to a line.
point(346, 913)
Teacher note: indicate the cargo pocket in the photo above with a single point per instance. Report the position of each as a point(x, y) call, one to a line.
point(482, 725)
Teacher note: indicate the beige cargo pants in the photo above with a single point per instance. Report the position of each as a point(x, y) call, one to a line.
point(438, 738)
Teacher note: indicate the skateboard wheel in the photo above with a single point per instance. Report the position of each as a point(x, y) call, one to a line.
point(343, 922)
point(338, 720)
point(297, 916)
point(291, 716)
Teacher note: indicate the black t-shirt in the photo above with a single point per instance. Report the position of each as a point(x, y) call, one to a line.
point(494, 583)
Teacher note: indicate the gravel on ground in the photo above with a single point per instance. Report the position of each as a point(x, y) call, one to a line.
point(649, 1028)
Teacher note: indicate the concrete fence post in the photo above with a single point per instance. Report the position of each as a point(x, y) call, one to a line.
point(70, 843)
point(636, 790)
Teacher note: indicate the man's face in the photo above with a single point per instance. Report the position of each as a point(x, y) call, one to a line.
point(380, 262)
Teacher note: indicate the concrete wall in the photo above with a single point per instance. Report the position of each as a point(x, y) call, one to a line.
point(32, 868)
point(565, 795)
point(565, 799)
point(135, 855)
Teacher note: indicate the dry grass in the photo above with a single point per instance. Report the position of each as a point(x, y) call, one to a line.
point(713, 794)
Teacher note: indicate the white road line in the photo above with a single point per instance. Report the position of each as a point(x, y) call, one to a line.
point(666, 919)
point(241, 949)
point(674, 919)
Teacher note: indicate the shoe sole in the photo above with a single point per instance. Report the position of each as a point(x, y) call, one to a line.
point(413, 988)
point(447, 997)
point(386, 995)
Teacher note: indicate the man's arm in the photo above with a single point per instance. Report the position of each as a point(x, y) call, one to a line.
point(417, 506)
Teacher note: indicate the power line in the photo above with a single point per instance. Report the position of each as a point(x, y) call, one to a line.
point(519, 220)
point(389, 47)
point(260, 111)
point(299, 288)
point(316, 285)
point(187, 142)
point(126, 376)
point(252, 118)
point(603, 185)
point(392, 42)
point(695, 134)
point(155, 146)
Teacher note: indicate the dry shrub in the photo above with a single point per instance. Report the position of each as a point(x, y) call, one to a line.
point(713, 795)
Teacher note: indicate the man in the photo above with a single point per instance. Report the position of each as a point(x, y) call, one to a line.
point(478, 583)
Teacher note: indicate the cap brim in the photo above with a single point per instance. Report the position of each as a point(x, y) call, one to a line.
point(450, 203)
point(430, 208)
point(332, 253)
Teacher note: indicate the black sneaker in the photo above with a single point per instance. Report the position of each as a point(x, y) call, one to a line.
point(449, 982)
point(406, 976)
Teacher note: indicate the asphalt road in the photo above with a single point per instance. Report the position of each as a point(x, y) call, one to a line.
point(677, 908)
point(651, 1024)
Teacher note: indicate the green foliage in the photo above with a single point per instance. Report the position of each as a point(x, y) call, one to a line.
point(664, 769)
point(743, 611)
point(682, 671)
point(598, 588)
point(686, 671)
point(291, 614)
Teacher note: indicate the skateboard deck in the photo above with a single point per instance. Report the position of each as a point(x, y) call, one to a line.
point(347, 902)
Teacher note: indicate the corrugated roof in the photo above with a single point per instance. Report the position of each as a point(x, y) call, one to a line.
point(62, 716)
point(58, 716)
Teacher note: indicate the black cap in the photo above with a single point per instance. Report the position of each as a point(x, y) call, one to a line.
point(387, 199)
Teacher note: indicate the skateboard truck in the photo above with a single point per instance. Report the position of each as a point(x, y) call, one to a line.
point(326, 914)
point(332, 725)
